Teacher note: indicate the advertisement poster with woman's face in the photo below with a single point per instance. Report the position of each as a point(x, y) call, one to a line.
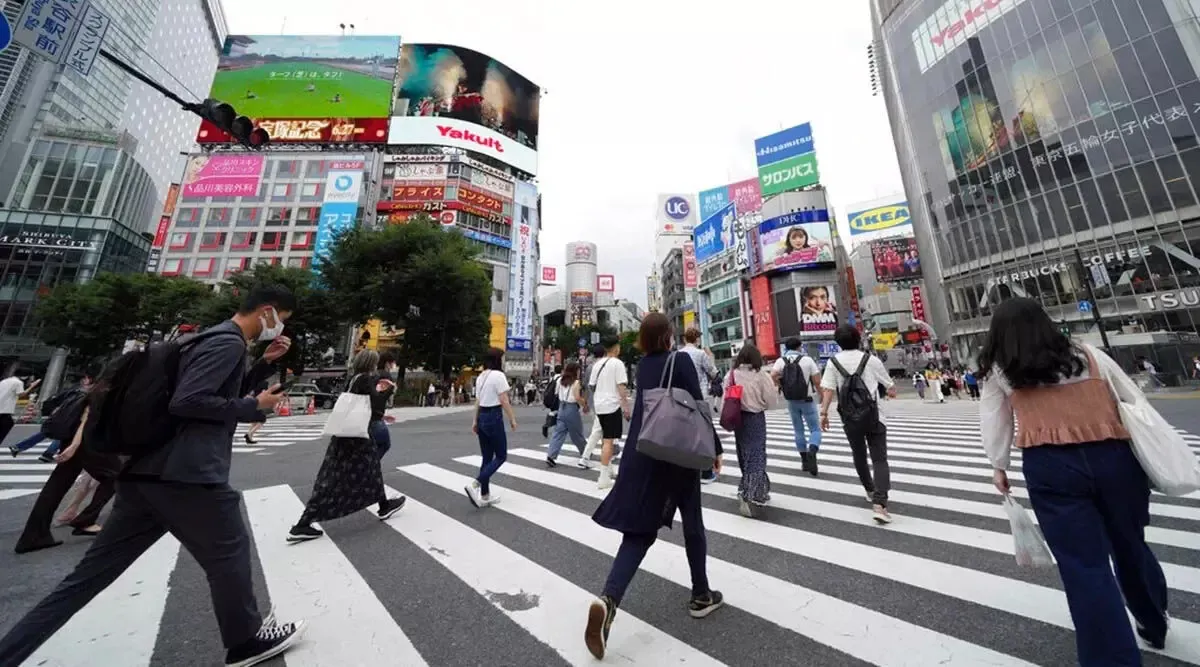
point(818, 310)
point(803, 245)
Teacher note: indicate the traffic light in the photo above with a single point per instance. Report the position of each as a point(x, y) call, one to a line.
point(226, 118)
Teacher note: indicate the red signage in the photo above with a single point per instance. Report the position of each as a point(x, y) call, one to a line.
point(308, 131)
point(690, 275)
point(969, 16)
point(764, 318)
point(549, 275)
point(479, 199)
point(418, 193)
point(160, 235)
point(918, 304)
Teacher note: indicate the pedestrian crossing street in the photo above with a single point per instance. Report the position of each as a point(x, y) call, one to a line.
point(25, 475)
point(814, 582)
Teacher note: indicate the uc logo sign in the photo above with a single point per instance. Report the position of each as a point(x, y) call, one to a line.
point(882, 217)
point(678, 208)
point(343, 183)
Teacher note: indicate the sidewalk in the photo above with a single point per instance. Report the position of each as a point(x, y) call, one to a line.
point(410, 413)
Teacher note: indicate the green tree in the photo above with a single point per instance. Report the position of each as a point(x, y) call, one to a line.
point(94, 319)
point(630, 353)
point(315, 327)
point(420, 279)
point(566, 339)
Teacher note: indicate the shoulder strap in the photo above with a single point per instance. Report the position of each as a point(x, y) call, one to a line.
point(837, 364)
point(862, 365)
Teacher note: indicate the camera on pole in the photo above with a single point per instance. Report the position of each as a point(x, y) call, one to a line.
point(226, 119)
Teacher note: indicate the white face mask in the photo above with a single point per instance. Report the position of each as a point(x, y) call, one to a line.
point(270, 333)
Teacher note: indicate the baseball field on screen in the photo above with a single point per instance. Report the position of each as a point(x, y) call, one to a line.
point(281, 90)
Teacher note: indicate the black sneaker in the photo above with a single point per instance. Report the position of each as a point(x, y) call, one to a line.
point(392, 506)
point(46, 459)
point(14, 451)
point(1157, 643)
point(810, 464)
point(249, 439)
point(600, 619)
point(703, 605)
point(271, 640)
point(551, 463)
point(303, 534)
point(804, 461)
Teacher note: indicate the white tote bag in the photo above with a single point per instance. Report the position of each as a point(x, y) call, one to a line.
point(1029, 545)
point(1167, 459)
point(351, 416)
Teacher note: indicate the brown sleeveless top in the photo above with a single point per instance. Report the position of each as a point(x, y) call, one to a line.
point(1068, 413)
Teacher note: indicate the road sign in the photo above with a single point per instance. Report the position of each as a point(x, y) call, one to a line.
point(45, 27)
point(1085, 306)
point(5, 33)
point(85, 43)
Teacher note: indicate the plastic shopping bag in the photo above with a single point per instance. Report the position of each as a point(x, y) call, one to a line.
point(1030, 546)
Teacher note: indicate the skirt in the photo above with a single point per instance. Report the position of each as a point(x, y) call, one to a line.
point(751, 440)
point(349, 480)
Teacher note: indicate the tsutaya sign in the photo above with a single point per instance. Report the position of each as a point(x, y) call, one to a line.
point(953, 24)
point(1188, 298)
point(1105, 259)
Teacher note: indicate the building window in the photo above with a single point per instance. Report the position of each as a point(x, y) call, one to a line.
point(248, 217)
point(243, 240)
point(299, 262)
point(273, 240)
point(181, 241)
point(302, 240)
point(205, 267)
point(188, 218)
point(315, 169)
point(172, 267)
point(279, 217)
point(212, 241)
point(237, 264)
point(308, 216)
point(311, 190)
point(287, 169)
point(218, 218)
point(269, 261)
point(281, 192)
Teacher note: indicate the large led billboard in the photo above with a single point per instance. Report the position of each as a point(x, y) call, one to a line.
point(800, 240)
point(308, 88)
point(896, 260)
point(457, 83)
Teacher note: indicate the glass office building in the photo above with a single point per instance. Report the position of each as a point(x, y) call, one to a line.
point(1049, 146)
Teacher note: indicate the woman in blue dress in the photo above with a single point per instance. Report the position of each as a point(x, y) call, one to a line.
point(648, 492)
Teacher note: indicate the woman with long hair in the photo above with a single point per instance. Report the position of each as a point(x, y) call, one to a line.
point(350, 478)
point(758, 396)
point(647, 493)
point(492, 403)
point(570, 409)
point(1089, 493)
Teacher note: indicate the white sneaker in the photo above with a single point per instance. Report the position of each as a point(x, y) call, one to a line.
point(490, 499)
point(584, 464)
point(473, 494)
point(606, 480)
point(881, 515)
point(745, 508)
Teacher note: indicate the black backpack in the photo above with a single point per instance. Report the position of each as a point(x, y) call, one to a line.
point(856, 402)
point(130, 412)
point(795, 385)
point(65, 415)
point(550, 395)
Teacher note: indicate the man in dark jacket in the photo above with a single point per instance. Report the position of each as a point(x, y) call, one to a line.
point(183, 488)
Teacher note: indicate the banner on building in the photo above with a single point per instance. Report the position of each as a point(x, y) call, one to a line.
point(887, 340)
point(855, 315)
point(340, 208)
point(223, 175)
point(715, 233)
point(523, 278)
point(818, 311)
point(676, 214)
point(787, 160)
point(691, 277)
point(583, 306)
point(896, 260)
point(549, 275)
point(879, 218)
point(606, 283)
point(799, 240)
point(764, 319)
point(918, 304)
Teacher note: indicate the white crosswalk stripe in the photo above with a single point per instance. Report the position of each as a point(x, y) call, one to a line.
point(937, 586)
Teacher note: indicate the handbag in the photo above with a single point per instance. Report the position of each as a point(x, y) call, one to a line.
point(351, 416)
point(676, 428)
point(1029, 545)
point(1164, 455)
point(731, 407)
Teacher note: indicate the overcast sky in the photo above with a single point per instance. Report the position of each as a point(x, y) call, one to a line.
point(649, 96)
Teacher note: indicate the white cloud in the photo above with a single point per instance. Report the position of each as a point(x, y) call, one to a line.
point(644, 97)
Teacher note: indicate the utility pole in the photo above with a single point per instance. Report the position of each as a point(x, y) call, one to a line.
point(1091, 293)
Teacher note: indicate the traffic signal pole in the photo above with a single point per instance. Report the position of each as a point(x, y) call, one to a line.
point(1086, 275)
point(188, 106)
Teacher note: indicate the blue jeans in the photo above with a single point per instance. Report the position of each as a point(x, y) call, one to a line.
point(493, 445)
point(805, 412)
point(1093, 502)
point(570, 422)
point(33, 440)
point(381, 435)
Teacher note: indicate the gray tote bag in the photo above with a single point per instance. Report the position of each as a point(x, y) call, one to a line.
point(676, 428)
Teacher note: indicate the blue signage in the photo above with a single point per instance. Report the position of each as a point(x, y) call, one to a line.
point(519, 345)
point(796, 218)
point(879, 218)
point(713, 200)
point(1085, 306)
point(678, 208)
point(484, 237)
point(337, 211)
point(715, 234)
point(784, 144)
point(5, 33)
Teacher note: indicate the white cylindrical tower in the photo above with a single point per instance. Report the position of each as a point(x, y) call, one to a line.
point(581, 281)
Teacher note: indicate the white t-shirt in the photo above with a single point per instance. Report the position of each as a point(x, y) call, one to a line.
point(873, 375)
point(489, 386)
point(10, 391)
point(565, 394)
point(607, 374)
point(808, 367)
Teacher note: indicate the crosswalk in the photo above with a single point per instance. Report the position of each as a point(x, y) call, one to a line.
point(25, 475)
point(812, 582)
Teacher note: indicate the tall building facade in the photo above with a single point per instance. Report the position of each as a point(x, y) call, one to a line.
point(581, 263)
point(1049, 149)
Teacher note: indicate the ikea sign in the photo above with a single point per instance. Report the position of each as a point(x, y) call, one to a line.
point(879, 218)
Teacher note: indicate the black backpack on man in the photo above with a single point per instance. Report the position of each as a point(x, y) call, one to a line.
point(792, 380)
point(856, 402)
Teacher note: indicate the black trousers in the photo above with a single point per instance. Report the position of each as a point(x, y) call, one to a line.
point(101, 467)
point(871, 440)
point(6, 425)
point(206, 519)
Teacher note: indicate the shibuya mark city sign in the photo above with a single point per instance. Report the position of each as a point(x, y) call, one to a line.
point(953, 24)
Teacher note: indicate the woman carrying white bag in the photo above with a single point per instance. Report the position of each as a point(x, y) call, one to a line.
point(1088, 490)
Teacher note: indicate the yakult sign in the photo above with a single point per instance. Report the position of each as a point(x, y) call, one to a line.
point(953, 24)
point(444, 131)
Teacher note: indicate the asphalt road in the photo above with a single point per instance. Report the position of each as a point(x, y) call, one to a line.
point(442, 583)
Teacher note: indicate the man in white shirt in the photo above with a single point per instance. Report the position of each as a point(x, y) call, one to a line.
point(610, 400)
point(797, 375)
point(707, 372)
point(598, 354)
point(11, 391)
point(867, 435)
